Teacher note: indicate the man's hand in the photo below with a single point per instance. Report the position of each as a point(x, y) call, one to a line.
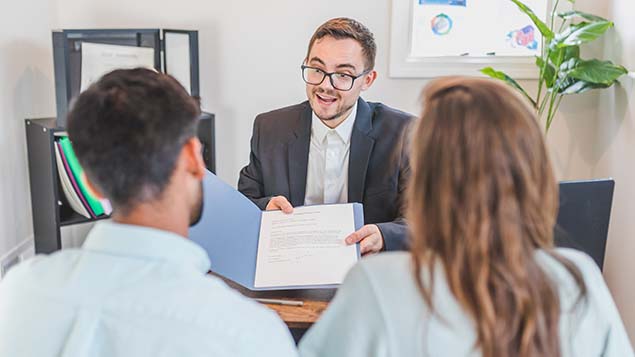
point(279, 203)
point(370, 238)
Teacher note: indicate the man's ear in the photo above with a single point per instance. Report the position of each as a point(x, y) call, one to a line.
point(192, 151)
point(92, 189)
point(369, 79)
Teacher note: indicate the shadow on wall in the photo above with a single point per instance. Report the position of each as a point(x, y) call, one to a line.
point(28, 91)
point(592, 120)
point(613, 109)
point(613, 105)
point(213, 100)
point(572, 135)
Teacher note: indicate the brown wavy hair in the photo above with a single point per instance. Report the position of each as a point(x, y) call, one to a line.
point(482, 199)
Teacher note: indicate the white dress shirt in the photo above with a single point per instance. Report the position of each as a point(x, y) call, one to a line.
point(378, 312)
point(327, 172)
point(131, 291)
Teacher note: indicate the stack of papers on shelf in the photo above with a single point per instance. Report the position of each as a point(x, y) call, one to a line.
point(79, 197)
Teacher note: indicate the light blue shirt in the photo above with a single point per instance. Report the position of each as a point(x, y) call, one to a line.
point(378, 311)
point(131, 291)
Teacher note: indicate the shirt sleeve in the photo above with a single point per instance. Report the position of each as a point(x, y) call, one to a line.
point(353, 325)
point(250, 180)
point(616, 341)
point(275, 340)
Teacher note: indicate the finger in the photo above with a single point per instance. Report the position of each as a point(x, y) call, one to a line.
point(353, 238)
point(370, 245)
point(271, 205)
point(365, 246)
point(285, 205)
point(360, 234)
point(279, 203)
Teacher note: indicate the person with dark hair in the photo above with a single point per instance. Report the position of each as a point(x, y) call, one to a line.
point(335, 147)
point(137, 287)
point(482, 277)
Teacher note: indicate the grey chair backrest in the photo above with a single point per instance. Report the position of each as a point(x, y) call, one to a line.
point(584, 215)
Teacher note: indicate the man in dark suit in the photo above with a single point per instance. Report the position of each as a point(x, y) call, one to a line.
point(335, 147)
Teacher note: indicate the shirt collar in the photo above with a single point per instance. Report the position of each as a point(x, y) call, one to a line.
point(344, 130)
point(146, 243)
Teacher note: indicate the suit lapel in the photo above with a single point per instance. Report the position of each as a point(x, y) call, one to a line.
point(361, 148)
point(298, 153)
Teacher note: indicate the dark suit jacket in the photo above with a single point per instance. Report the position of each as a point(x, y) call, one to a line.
point(378, 163)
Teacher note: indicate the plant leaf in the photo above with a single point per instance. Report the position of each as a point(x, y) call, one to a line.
point(572, 27)
point(553, 54)
point(571, 52)
point(559, 55)
point(578, 87)
point(568, 65)
point(597, 72)
point(579, 34)
point(568, 85)
point(579, 14)
point(491, 72)
point(548, 71)
point(542, 27)
point(560, 37)
point(562, 83)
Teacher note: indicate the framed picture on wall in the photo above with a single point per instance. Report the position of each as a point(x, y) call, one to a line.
point(431, 38)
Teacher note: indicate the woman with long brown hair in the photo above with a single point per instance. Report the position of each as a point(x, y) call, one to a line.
point(482, 277)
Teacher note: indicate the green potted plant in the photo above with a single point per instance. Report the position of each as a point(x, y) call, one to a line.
point(561, 70)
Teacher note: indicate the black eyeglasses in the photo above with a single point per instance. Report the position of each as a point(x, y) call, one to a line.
point(339, 81)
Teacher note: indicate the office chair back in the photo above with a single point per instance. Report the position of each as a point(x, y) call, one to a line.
point(583, 217)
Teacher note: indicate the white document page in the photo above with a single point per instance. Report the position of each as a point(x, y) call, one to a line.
point(305, 247)
point(99, 59)
point(177, 62)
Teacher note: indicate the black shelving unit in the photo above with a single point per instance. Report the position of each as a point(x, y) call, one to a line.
point(49, 206)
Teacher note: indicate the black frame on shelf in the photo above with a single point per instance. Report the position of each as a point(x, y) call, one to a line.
point(194, 89)
point(49, 207)
point(67, 64)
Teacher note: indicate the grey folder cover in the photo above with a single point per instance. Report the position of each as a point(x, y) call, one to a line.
point(229, 229)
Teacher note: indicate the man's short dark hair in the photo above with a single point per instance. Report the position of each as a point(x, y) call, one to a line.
point(128, 130)
point(342, 28)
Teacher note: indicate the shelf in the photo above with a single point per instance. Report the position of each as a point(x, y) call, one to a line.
point(49, 205)
point(77, 218)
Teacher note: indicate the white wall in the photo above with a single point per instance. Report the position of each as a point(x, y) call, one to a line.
point(614, 143)
point(250, 55)
point(26, 91)
point(250, 58)
point(594, 137)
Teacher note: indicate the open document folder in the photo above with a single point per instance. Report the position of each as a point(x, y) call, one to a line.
point(272, 250)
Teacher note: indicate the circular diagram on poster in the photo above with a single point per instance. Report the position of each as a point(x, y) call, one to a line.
point(441, 24)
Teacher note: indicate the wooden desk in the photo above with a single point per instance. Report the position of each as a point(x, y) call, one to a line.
point(301, 317)
point(296, 317)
